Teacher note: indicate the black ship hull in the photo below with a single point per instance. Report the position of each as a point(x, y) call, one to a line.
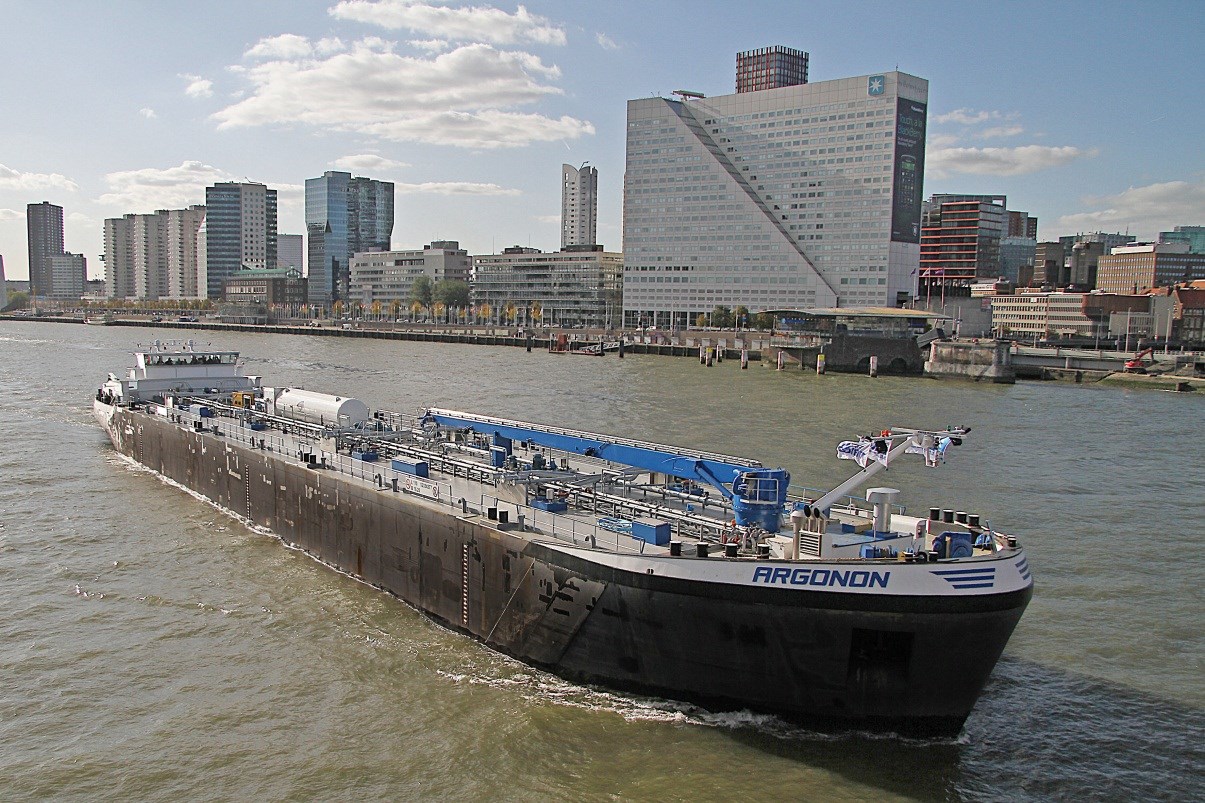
point(908, 664)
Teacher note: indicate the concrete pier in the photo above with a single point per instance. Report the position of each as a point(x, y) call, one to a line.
point(984, 361)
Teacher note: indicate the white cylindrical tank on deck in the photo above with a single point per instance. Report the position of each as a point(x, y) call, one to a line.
point(320, 408)
point(882, 499)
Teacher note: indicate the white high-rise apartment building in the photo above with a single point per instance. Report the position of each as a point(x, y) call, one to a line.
point(154, 256)
point(780, 199)
point(182, 259)
point(579, 205)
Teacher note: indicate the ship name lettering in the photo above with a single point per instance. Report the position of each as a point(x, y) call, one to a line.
point(782, 575)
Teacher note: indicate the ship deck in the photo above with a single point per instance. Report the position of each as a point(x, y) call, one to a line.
point(540, 494)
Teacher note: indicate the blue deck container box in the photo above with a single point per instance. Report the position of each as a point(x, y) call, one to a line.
point(367, 457)
point(551, 505)
point(960, 544)
point(497, 456)
point(205, 412)
point(418, 469)
point(651, 531)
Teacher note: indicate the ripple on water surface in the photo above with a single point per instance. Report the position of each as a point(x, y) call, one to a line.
point(154, 648)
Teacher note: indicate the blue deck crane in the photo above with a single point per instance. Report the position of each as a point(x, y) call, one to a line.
point(757, 493)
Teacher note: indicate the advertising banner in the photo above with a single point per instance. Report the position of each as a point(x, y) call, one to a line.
point(909, 171)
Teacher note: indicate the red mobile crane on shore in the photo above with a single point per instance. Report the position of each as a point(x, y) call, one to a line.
point(1135, 365)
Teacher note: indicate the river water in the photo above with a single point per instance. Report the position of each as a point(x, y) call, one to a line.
point(153, 648)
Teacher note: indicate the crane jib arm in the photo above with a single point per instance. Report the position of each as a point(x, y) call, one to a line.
point(757, 493)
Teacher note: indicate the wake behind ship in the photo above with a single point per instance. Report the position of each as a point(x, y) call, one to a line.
point(638, 566)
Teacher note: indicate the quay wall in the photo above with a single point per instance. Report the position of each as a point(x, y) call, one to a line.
point(541, 342)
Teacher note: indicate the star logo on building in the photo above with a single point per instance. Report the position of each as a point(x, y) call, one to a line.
point(875, 85)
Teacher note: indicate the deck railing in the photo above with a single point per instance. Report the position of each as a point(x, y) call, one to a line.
point(533, 520)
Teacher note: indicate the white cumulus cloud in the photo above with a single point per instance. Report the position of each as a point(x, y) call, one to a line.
point(944, 162)
point(150, 188)
point(286, 46)
point(1144, 211)
point(292, 46)
point(452, 188)
point(368, 162)
point(197, 87)
point(606, 42)
point(10, 214)
point(1001, 132)
point(967, 117)
point(148, 113)
point(431, 45)
point(11, 179)
point(465, 24)
point(456, 98)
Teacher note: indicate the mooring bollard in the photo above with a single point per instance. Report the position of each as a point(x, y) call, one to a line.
point(819, 365)
point(874, 365)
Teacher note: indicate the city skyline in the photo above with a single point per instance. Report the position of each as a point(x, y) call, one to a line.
point(474, 107)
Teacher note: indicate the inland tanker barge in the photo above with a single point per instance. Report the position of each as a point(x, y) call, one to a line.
point(634, 565)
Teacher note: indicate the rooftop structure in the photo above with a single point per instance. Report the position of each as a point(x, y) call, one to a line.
point(770, 68)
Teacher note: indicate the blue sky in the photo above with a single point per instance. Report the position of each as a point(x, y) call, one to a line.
point(1088, 115)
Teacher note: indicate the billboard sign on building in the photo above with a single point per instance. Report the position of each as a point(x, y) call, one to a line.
point(909, 171)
